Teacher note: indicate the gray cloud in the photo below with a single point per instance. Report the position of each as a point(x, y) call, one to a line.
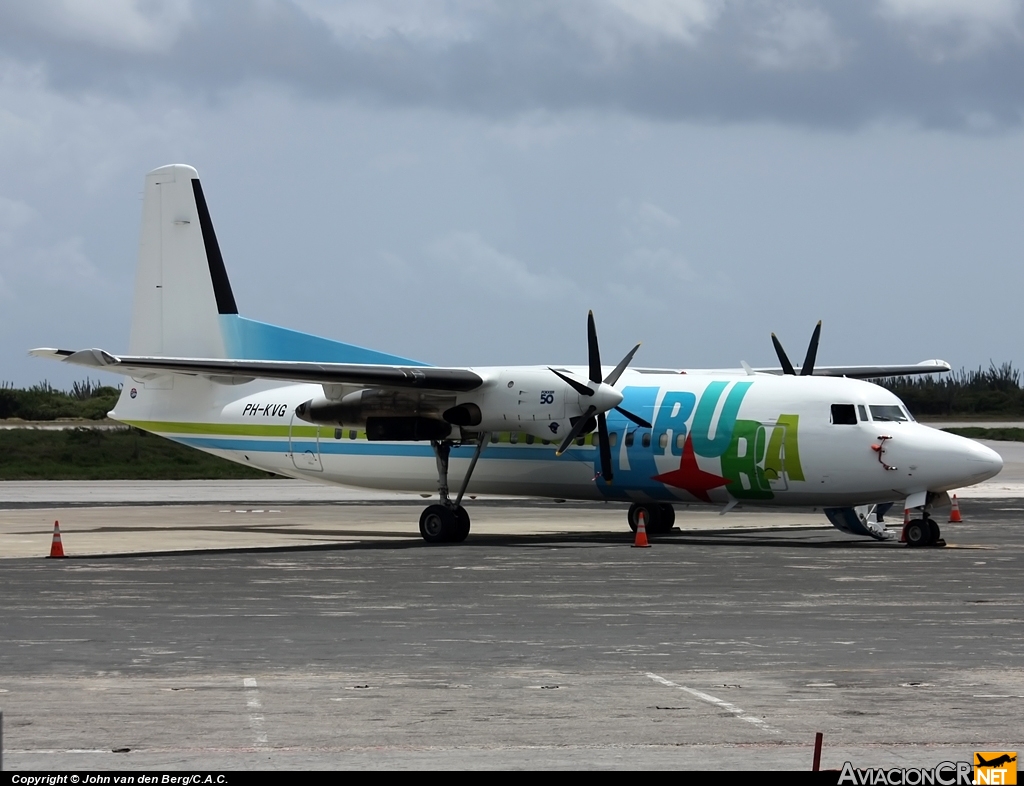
point(952, 63)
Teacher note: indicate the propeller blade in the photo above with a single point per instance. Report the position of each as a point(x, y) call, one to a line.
point(612, 378)
point(575, 430)
point(812, 352)
point(606, 448)
point(579, 387)
point(594, 353)
point(787, 367)
point(635, 418)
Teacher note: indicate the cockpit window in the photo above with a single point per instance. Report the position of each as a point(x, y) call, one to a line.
point(863, 411)
point(889, 412)
point(844, 415)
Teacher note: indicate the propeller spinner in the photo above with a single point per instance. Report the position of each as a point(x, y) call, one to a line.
point(603, 397)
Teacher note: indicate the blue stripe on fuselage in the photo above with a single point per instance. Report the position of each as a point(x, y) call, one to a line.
point(638, 475)
point(362, 448)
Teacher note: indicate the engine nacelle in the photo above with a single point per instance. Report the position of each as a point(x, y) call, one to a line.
point(358, 407)
point(532, 400)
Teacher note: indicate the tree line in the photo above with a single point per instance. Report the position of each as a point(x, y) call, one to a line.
point(995, 390)
point(86, 400)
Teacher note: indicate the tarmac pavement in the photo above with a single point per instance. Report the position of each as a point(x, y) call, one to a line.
point(276, 624)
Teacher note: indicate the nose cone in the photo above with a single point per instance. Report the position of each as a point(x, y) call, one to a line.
point(943, 461)
point(985, 461)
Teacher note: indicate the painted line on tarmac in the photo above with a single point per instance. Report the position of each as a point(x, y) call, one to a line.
point(51, 751)
point(720, 703)
point(252, 701)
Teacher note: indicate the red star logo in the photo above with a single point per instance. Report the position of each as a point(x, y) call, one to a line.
point(690, 477)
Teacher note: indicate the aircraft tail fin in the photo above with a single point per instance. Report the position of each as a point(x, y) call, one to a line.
point(181, 286)
point(184, 305)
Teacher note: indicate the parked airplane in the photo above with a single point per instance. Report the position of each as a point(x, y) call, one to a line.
point(295, 404)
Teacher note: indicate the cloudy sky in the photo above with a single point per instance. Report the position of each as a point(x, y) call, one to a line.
point(460, 181)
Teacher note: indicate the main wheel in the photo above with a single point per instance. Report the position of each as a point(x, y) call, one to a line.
point(461, 525)
point(438, 524)
point(917, 533)
point(651, 517)
point(666, 519)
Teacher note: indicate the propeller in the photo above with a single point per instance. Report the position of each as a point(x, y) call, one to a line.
point(812, 353)
point(603, 397)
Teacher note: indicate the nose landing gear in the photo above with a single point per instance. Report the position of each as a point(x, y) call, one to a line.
point(922, 532)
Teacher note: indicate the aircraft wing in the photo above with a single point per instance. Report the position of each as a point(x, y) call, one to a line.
point(852, 372)
point(240, 371)
point(872, 372)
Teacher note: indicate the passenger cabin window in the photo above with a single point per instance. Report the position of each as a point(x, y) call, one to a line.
point(495, 437)
point(845, 414)
point(629, 439)
point(890, 412)
point(513, 438)
point(613, 438)
point(645, 440)
point(529, 439)
point(863, 412)
point(352, 433)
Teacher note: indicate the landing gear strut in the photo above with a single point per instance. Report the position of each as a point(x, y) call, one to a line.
point(448, 522)
point(658, 518)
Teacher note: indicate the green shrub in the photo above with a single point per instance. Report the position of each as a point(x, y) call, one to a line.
point(995, 391)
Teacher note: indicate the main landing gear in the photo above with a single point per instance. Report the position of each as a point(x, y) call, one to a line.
point(923, 532)
point(658, 518)
point(448, 522)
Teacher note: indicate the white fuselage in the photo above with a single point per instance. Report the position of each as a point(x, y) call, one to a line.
point(715, 438)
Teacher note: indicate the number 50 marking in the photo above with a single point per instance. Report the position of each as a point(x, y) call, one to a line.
point(547, 397)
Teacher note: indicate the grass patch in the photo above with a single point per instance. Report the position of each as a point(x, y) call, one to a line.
point(106, 454)
point(1002, 434)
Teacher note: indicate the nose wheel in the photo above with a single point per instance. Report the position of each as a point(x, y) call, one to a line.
point(448, 522)
point(923, 532)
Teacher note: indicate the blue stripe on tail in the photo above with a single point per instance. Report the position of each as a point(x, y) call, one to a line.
point(247, 339)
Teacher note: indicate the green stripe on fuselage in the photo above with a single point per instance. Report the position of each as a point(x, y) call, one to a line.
point(310, 432)
point(223, 429)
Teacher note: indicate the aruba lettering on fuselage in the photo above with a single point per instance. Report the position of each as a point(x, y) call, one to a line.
point(755, 458)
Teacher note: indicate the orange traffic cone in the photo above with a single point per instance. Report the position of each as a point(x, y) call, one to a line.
point(954, 512)
point(641, 533)
point(56, 548)
point(906, 521)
